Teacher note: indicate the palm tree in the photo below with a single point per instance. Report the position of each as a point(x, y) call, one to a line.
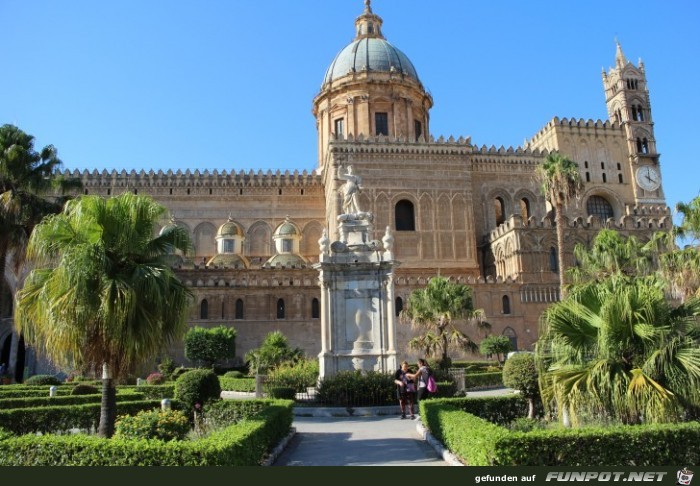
point(560, 183)
point(30, 188)
point(435, 308)
point(610, 254)
point(618, 350)
point(101, 293)
point(690, 226)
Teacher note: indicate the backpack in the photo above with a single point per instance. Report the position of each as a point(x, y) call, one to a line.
point(432, 386)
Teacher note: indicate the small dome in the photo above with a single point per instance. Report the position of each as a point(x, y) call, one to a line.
point(286, 229)
point(228, 260)
point(373, 55)
point(169, 226)
point(229, 228)
point(285, 260)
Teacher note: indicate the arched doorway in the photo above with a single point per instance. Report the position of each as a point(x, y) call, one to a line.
point(19, 363)
point(5, 350)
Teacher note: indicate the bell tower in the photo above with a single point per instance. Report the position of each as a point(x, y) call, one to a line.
point(627, 100)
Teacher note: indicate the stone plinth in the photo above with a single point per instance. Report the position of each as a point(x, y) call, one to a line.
point(357, 300)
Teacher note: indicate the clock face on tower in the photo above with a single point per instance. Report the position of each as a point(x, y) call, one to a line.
point(648, 178)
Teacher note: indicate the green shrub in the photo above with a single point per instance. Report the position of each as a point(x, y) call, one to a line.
point(471, 429)
point(525, 424)
point(82, 389)
point(353, 389)
point(155, 392)
point(178, 372)
point(61, 418)
point(210, 346)
point(166, 367)
point(155, 379)
point(46, 401)
point(4, 434)
point(234, 374)
point(227, 412)
point(483, 380)
point(245, 443)
point(296, 375)
point(520, 373)
point(197, 387)
point(273, 351)
point(281, 392)
point(237, 384)
point(498, 345)
point(42, 380)
point(153, 424)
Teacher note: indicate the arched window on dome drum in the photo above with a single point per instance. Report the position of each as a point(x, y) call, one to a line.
point(418, 128)
point(399, 306)
point(315, 309)
point(599, 206)
point(239, 309)
point(404, 216)
point(499, 207)
point(287, 246)
point(280, 308)
point(204, 309)
point(505, 301)
point(553, 260)
point(381, 123)
point(229, 246)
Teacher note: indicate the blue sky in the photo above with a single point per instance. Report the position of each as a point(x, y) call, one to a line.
point(228, 84)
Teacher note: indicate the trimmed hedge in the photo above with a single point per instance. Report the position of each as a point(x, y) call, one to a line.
point(10, 403)
point(153, 392)
point(61, 418)
point(243, 444)
point(477, 380)
point(42, 380)
point(237, 384)
point(480, 441)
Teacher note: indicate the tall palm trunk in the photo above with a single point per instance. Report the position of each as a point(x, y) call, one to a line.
point(559, 221)
point(108, 406)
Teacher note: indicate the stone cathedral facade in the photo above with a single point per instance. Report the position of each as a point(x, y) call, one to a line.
point(472, 213)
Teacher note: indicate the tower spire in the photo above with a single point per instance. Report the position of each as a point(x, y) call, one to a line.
point(620, 59)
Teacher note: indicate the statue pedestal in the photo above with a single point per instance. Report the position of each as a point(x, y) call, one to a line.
point(357, 301)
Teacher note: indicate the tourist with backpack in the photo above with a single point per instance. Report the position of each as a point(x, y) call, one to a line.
point(424, 380)
point(406, 390)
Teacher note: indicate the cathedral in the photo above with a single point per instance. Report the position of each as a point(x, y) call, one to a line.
point(472, 213)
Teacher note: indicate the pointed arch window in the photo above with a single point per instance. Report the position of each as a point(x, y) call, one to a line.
point(398, 306)
point(204, 309)
point(499, 208)
point(553, 260)
point(525, 208)
point(505, 304)
point(404, 215)
point(239, 309)
point(280, 308)
point(315, 309)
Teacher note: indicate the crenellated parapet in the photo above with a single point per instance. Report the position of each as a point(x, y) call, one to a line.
point(381, 144)
point(576, 125)
point(196, 178)
point(657, 218)
point(501, 159)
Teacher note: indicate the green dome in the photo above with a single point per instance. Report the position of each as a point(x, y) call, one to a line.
point(229, 228)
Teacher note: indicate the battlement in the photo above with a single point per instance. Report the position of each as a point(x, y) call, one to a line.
point(195, 178)
point(573, 123)
point(655, 218)
point(381, 144)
